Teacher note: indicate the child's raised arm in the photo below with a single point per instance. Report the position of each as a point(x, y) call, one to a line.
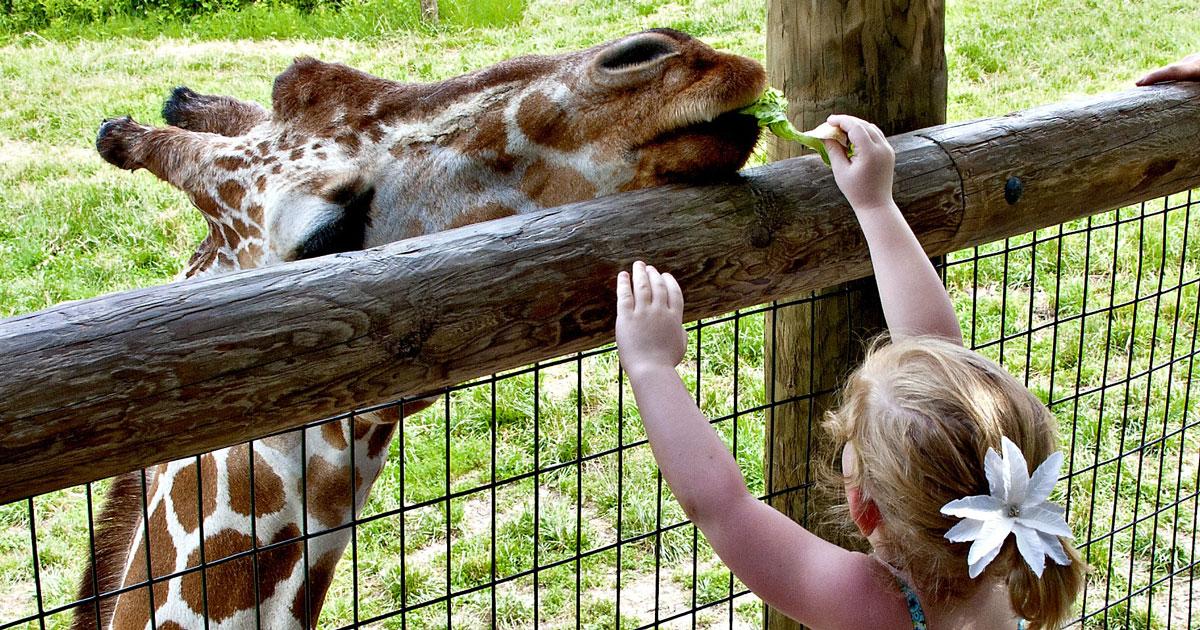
point(808, 579)
point(914, 300)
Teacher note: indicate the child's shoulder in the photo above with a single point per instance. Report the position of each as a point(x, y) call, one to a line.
point(864, 594)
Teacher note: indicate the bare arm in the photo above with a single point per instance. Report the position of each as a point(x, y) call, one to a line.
point(914, 300)
point(807, 578)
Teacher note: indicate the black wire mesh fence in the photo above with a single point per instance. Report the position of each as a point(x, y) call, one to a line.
point(531, 497)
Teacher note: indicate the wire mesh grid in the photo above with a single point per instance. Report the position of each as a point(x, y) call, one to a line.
point(531, 497)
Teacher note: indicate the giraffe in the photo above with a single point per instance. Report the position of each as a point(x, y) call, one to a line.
point(342, 161)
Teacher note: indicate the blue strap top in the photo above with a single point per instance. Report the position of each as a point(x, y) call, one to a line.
point(915, 612)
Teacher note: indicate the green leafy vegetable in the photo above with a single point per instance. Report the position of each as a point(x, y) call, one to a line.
point(771, 111)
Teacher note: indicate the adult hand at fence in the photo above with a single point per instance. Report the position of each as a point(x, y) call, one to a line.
point(649, 319)
point(1186, 69)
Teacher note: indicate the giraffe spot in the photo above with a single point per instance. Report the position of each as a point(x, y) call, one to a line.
point(334, 433)
point(245, 259)
point(349, 142)
point(203, 257)
point(185, 499)
point(490, 135)
point(362, 428)
point(268, 486)
point(277, 169)
point(255, 213)
point(478, 214)
point(287, 532)
point(378, 442)
point(162, 546)
point(413, 227)
point(261, 183)
point(546, 123)
point(169, 625)
point(230, 163)
point(329, 491)
point(296, 154)
point(208, 475)
point(245, 229)
point(400, 150)
point(231, 193)
point(277, 563)
point(223, 259)
point(233, 579)
point(550, 185)
point(254, 252)
point(207, 205)
point(264, 148)
point(232, 238)
point(320, 576)
point(133, 607)
point(320, 155)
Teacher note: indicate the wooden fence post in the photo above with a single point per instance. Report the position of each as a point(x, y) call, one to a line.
point(429, 11)
point(884, 61)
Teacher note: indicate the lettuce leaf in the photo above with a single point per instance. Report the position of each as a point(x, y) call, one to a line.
point(771, 111)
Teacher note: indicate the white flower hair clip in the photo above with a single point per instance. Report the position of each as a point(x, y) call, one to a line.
point(1018, 504)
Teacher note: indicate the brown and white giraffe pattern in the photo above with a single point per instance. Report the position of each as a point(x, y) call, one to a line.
point(526, 134)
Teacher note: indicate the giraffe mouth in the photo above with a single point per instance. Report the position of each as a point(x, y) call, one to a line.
point(704, 151)
point(728, 129)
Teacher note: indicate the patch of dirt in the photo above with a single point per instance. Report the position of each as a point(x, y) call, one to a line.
point(19, 152)
point(16, 601)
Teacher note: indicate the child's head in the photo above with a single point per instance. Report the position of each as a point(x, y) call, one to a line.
point(919, 416)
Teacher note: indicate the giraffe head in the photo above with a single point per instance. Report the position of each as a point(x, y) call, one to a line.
point(346, 160)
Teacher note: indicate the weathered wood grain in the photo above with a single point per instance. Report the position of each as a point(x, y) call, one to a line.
point(89, 389)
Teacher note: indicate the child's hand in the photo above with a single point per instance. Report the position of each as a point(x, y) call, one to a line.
point(649, 319)
point(1186, 69)
point(865, 179)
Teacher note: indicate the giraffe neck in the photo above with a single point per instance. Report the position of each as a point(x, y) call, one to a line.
point(302, 489)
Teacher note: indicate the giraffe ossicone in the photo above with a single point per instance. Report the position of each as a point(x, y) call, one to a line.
point(342, 161)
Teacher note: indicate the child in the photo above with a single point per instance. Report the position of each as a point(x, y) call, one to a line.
point(916, 424)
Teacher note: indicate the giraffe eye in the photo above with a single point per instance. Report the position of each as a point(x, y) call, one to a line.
point(636, 51)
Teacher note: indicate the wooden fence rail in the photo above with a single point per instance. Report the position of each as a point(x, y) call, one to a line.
point(93, 388)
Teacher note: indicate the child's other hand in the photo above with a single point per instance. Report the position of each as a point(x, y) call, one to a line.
point(649, 319)
point(865, 179)
point(1186, 69)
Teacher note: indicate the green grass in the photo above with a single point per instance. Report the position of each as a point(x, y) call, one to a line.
point(236, 19)
point(72, 227)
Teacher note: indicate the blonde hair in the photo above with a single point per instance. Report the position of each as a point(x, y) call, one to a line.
point(922, 414)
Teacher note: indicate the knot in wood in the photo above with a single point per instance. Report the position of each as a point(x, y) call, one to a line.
point(766, 213)
point(760, 236)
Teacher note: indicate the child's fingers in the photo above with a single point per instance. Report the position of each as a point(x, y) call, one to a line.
point(657, 286)
point(642, 292)
point(876, 133)
point(855, 128)
point(674, 293)
point(837, 153)
point(624, 292)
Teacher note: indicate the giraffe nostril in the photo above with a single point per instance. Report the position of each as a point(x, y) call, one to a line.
point(636, 51)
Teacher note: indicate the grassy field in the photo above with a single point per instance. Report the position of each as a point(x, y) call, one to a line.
point(72, 227)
